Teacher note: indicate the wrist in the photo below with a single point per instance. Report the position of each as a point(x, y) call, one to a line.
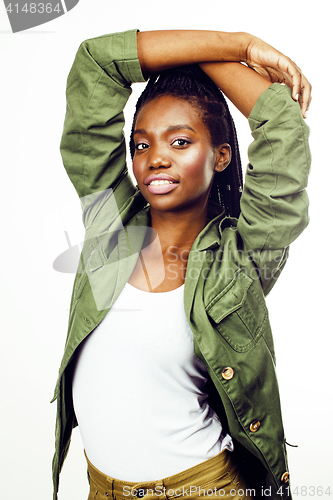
point(243, 44)
point(232, 46)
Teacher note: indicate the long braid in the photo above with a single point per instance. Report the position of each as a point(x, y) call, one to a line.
point(229, 182)
point(193, 85)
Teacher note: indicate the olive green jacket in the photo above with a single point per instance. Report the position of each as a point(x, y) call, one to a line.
point(232, 265)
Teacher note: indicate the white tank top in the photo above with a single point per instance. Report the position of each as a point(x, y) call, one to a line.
point(139, 391)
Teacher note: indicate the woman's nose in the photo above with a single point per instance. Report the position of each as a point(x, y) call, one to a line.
point(158, 159)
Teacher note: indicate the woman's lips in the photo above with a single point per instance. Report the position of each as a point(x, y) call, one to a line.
point(161, 186)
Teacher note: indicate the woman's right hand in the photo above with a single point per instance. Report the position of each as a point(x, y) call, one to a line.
point(276, 67)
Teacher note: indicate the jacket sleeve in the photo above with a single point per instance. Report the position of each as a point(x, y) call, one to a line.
point(93, 145)
point(274, 204)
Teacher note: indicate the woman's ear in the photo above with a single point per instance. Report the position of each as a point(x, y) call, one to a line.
point(223, 157)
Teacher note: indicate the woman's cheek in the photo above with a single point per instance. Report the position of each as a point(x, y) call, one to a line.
point(200, 164)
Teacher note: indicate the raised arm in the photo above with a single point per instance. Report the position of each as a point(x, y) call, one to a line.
point(159, 50)
point(98, 87)
point(274, 204)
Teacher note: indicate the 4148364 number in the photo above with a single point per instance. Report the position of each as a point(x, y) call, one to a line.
point(34, 8)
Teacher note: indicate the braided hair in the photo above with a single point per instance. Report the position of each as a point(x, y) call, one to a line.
point(194, 85)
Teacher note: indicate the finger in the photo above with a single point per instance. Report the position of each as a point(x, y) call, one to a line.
point(301, 88)
point(306, 96)
point(293, 76)
point(296, 74)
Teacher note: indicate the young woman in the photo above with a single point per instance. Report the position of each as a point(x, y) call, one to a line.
point(169, 365)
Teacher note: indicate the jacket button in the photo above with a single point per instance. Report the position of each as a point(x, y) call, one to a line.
point(285, 477)
point(255, 426)
point(228, 373)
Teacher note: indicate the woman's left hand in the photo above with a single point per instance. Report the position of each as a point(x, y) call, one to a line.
point(276, 67)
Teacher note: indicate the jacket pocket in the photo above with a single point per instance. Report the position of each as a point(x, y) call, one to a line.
point(238, 312)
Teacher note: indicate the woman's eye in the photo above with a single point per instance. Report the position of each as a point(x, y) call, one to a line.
point(180, 142)
point(140, 146)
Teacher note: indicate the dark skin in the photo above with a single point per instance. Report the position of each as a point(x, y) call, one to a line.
point(171, 138)
point(159, 50)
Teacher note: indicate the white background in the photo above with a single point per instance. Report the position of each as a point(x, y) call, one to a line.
point(38, 204)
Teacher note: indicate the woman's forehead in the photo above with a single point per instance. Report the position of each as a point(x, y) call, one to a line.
point(173, 111)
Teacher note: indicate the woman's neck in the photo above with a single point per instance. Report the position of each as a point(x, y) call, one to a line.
point(162, 263)
point(178, 229)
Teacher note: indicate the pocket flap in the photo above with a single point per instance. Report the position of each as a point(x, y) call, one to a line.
point(230, 298)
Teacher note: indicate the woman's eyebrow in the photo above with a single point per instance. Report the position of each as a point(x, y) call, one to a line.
point(179, 127)
point(139, 131)
point(172, 128)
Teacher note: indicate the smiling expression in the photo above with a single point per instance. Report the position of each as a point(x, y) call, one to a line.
point(174, 161)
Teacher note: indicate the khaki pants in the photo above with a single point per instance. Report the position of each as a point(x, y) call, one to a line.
point(214, 479)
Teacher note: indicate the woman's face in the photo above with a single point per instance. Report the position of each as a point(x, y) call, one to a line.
point(174, 162)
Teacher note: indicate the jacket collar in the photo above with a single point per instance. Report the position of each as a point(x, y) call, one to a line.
point(210, 236)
